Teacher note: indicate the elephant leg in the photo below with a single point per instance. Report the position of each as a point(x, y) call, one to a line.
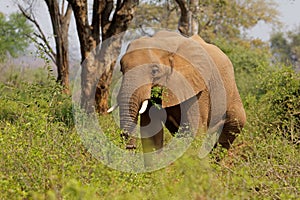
point(173, 119)
point(152, 135)
point(235, 121)
point(151, 131)
point(153, 143)
point(172, 125)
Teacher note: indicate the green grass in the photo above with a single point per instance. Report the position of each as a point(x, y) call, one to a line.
point(43, 157)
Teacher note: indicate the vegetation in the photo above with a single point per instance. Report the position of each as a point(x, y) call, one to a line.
point(99, 21)
point(60, 20)
point(215, 18)
point(286, 47)
point(42, 156)
point(13, 31)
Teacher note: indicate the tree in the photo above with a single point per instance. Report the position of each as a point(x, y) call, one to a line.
point(12, 35)
point(229, 18)
point(108, 18)
point(157, 15)
point(280, 48)
point(286, 47)
point(210, 18)
point(60, 19)
point(164, 14)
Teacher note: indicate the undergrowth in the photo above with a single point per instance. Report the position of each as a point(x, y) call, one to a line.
point(43, 157)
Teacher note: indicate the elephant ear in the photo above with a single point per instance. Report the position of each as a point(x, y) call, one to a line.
point(183, 81)
point(191, 68)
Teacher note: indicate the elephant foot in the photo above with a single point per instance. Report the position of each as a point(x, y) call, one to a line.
point(131, 144)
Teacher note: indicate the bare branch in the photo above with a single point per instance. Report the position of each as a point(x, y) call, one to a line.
point(41, 34)
point(66, 17)
point(183, 24)
point(84, 30)
point(122, 17)
point(105, 22)
point(46, 50)
point(62, 7)
point(68, 11)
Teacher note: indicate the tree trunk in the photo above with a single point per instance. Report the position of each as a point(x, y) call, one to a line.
point(188, 22)
point(102, 90)
point(122, 17)
point(108, 57)
point(60, 25)
point(87, 47)
point(60, 20)
point(194, 9)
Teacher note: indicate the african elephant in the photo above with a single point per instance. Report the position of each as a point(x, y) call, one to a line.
point(197, 84)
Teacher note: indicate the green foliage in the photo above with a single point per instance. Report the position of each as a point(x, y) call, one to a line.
point(248, 59)
point(286, 47)
point(281, 102)
point(156, 96)
point(34, 120)
point(227, 18)
point(13, 35)
point(15, 75)
point(42, 156)
point(216, 18)
point(159, 15)
point(276, 89)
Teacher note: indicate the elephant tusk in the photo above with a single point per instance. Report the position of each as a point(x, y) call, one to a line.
point(112, 108)
point(143, 107)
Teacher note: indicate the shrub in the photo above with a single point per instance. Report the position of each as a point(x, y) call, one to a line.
point(281, 103)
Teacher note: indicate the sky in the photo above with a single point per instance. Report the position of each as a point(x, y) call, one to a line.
point(289, 15)
point(289, 11)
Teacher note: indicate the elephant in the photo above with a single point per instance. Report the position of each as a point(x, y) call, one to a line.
point(196, 89)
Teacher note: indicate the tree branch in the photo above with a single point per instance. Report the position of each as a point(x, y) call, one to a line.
point(84, 30)
point(40, 35)
point(68, 12)
point(62, 6)
point(122, 17)
point(46, 50)
point(183, 24)
point(66, 18)
point(105, 22)
point(96, 17)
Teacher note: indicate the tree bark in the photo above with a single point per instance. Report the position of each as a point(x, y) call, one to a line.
point(188, 23)
point(60, 25)
point(122, 17)
point(87, 45)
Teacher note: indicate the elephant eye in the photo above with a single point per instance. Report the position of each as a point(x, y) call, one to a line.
point(155, 70)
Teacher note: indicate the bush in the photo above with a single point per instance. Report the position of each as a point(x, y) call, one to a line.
point(280, 102)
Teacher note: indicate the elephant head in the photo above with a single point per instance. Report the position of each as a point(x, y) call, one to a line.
point(178, 64)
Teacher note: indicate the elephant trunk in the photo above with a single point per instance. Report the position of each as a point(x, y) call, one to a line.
point(128, 112)
point(130, 99)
